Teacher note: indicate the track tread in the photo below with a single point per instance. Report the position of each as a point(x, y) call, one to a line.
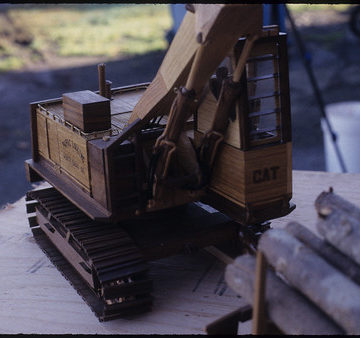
point(118, 269)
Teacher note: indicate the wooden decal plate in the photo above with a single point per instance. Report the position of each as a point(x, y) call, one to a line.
point(73, 155)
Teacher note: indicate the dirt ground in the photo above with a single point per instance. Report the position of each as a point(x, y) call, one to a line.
point(334, 52)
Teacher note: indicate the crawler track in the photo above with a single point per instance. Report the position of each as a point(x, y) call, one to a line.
point(114, 279)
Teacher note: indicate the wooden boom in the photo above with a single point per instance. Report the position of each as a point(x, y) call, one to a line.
point(219, 27)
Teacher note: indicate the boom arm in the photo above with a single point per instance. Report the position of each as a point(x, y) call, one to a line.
point(216, 41)
point(219, 27)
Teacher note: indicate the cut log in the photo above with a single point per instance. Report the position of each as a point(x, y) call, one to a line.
point(324, 285)
point(325, 250)
point(339, 223)
point(286, 307)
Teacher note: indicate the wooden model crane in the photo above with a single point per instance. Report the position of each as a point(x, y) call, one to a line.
point(213, 126)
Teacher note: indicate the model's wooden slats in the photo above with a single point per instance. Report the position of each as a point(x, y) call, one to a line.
point(42, 136)
point(56, 108)
point(228, 176)
point(54, 151)
point(118, 106)
point(247, 176)
point(120, 120)
point(122, 104)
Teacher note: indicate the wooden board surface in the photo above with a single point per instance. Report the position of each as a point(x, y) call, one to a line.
point(189, 289)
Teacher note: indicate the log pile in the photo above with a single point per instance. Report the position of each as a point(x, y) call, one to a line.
point(311, 284)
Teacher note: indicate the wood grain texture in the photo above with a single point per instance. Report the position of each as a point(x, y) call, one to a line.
point(75, 192)
point(63, 148)
point(34, 133)
point(325, 250)
point(267, 173)
point(42, 138)
point(172, 72)
point(189, 291)
point(252, 176)
point(242, 18)
point(323, 284)
point(36, 298)
point(339, 223)
point(228, 176)
point(293, 313)
point(87, 110)
point(73, 155)
point(221, 26)
point(53, 140)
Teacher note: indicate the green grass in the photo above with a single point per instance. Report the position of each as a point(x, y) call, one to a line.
point(10, 63)
point(108, 31)
point(317, 7)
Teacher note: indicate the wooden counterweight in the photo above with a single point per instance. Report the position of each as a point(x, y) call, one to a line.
point(87, 110)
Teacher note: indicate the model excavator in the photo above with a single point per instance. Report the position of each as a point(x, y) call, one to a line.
point(133, 170)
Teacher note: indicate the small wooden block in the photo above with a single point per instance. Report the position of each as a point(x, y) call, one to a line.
point(86, 110)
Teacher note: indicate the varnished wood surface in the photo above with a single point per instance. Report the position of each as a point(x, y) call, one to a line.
point(252, 176)
point(189, 290)
point(121, 105)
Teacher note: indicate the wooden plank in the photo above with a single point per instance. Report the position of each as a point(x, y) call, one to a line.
point(53, 140)
point(259, 311)
point(97, 171)
point(56, 108)
point(119, 106)
point(74, 192)
point(42, 138)
point(31, 175)
point(73, 155)
point(228, 176)
point(34, 132)
point(120, 120)
point(131, 98)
